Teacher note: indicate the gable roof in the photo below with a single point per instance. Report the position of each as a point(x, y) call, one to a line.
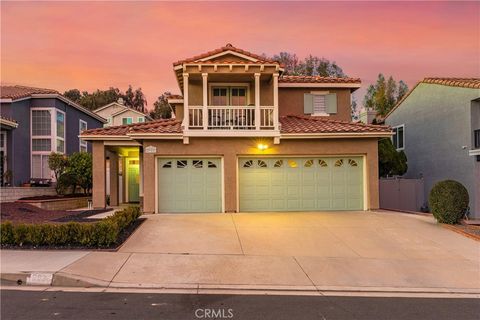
point(469, 83)
point(295, 124)
point(13, 93)
point(19, 92)
point(130, 109)
point(227, 49)
point(316, 79)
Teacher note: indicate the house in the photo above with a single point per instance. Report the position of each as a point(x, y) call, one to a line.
point(35, 122)
point(437, 124)
point(244, 138)
point(117, 113)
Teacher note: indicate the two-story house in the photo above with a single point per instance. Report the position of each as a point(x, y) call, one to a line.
point(36, 122)
point(117, 113)
point(437, 124)
point(245, 138)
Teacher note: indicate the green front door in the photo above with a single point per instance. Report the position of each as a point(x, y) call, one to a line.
point(301, 184)
point(189, 185)
point(133, 170)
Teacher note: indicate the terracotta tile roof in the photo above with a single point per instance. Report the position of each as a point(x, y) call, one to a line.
point(473, 83)
point(18, 92)
point(227, 47)
point(317, 79)
point(292, 124)
point(156, 126)
point(8, 122)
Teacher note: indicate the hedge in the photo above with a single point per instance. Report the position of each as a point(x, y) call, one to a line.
point(97, 234)
point(448, 201)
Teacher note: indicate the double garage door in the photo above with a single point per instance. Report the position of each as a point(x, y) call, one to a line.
point(265, 184)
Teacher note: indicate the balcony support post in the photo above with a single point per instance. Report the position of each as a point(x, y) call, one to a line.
point(257, 101)
point(205, 101)
point(186, 112)
point(275, 101)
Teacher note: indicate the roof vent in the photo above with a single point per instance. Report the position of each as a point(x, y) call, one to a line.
point(229, 45)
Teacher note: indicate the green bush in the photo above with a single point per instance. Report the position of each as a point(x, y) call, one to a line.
point(97, 234)
point(448, 201)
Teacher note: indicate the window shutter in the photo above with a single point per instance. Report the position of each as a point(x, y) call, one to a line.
point(308, 103)
point(331, 102)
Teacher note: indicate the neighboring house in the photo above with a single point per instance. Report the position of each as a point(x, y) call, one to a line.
point(36, 122)
point(118, 114)
point(437, 124)
point(244, 138)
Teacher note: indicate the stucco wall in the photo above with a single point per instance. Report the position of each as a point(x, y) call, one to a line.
point(290, 101)
point(231, 148)
point(438, 126)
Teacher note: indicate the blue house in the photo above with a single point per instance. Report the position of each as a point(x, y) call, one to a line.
point(35, 122)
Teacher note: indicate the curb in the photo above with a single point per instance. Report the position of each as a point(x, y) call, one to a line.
point(62, 281)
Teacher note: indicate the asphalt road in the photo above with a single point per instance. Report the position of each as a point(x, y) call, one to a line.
point(37, 305)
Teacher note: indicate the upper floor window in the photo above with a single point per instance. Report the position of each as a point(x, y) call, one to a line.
point(127, 120)
point(60, 132)
point(229, 96)
point(83, 144)
point(141, 119)
point(398, 137)
point(476, 139)
point(319, 105)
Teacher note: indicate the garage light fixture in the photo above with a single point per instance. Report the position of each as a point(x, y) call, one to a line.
point(262, 146)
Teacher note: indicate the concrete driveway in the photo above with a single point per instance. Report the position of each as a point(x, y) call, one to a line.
point(302, 250)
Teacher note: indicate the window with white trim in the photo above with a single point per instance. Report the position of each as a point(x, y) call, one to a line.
point(140, 119)
point(60, 131)
point(319, 105)
point(398, 138)
point(127, 120)
point(83, 144)
point(42, 143)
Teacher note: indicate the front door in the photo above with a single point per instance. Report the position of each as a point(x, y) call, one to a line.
point(133, 180)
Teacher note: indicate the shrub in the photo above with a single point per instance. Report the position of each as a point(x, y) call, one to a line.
point(80, 166)
point(390, 161)
point(97, 234)
point(448, 201)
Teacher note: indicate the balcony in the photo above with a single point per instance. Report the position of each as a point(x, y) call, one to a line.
point(232, 118)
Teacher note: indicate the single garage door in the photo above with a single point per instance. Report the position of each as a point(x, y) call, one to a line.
point(189, 185)
point(301, 184)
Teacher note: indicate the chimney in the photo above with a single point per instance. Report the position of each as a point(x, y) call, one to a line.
point(367, 116)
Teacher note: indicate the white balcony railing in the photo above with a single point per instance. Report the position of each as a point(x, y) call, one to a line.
point(230, 118)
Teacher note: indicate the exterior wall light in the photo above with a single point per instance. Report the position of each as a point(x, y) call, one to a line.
point(262, 146)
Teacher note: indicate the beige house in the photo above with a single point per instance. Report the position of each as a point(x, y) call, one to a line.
point(245, 138)
point(118, 114)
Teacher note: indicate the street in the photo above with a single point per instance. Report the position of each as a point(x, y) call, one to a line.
point(39, 305)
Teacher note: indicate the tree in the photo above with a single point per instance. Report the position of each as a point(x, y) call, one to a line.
point(391, 162)
point(80, 167)
point(354, 109)
point(384, 94)
point(58, 162)
point(309, 66)
point(73, 94)
point(161, 108)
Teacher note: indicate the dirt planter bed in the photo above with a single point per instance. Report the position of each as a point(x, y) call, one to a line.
point(57, 203)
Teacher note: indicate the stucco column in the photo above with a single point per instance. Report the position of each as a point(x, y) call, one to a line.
point(275, 101)
point(149, 188)
point(205, 101)
point(99, 174)
point(113, 178)
point(140, 172)
point(186, 113)
point(257, 101)
point(230, 181)
point(372, 173)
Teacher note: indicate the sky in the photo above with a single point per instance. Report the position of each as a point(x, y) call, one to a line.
point(96, 45)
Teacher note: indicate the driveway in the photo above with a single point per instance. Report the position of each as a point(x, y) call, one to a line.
point(301, 250)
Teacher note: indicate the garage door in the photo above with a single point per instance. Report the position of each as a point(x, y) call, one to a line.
point(301, 184)
point(189, 185)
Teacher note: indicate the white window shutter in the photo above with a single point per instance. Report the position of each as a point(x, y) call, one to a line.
point(308, 103)
point(331, 103)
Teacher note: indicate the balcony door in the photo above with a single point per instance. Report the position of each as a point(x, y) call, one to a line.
point(229, 96)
